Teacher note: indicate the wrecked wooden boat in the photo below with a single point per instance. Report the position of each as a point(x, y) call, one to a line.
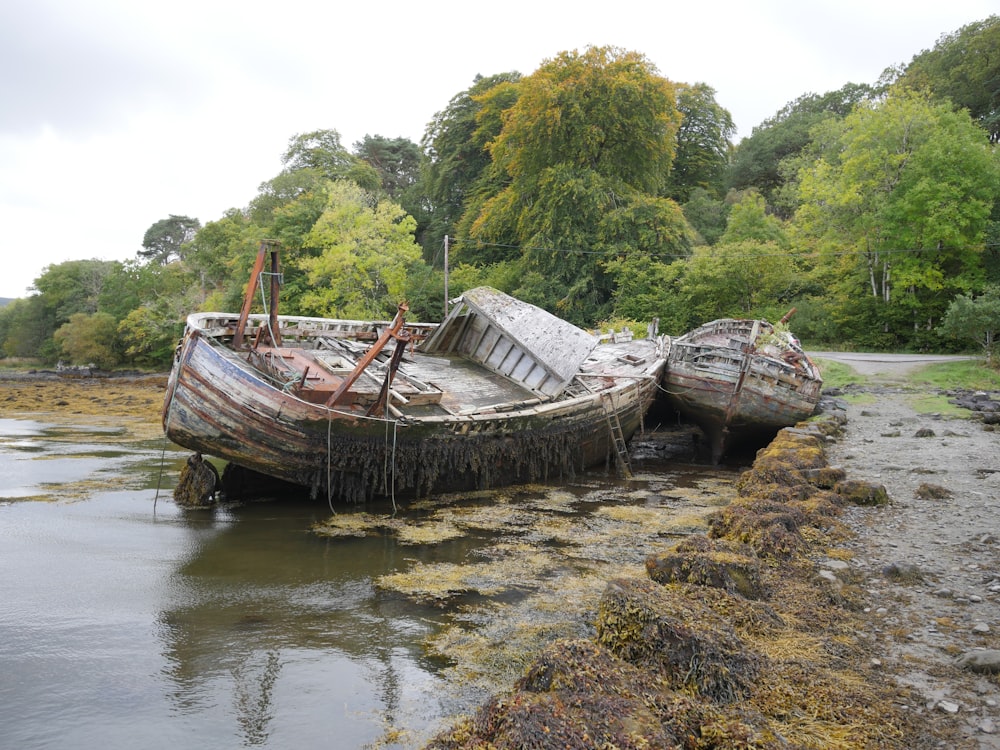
point(741, 380)
point(501, 392)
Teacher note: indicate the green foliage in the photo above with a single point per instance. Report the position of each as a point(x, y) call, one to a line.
point(739, 279)
point(457, 157)
point(320, 150)
point(704, 144)
point(758, 158)
point(164, 241)
point(88, 339)
point(706, 215)
point(73, 286)
point(397, 161)
point(25, 327)
point(748, 220)
point(367, 256)
point(964, 68)
point(605, 110)
point(975, 320)
point(906, 187)
point(577, 166)
point(148, 336)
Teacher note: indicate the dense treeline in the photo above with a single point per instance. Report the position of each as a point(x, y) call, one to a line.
point(608, 194)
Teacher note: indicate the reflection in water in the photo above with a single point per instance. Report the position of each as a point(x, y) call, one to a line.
point(122, 627)
point(287, 623)
point(253, 685)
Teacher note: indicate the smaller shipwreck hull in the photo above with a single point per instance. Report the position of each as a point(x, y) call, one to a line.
point(500, 393)
point(740, 380)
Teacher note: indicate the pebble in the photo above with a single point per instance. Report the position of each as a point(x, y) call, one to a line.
point(987, 726)
point(981, 627)
point(948, 707)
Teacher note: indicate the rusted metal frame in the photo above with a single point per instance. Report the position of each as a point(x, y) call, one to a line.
point(258, 269)
point(381, 404)
point(392, 332)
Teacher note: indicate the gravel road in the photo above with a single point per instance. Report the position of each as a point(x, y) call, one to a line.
point(932, 557)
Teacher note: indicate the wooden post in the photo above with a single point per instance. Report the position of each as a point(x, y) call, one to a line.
point(445, 277)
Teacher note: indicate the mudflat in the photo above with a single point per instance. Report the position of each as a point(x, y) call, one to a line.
point(120, 395)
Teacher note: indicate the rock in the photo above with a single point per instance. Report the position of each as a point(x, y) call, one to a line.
point(981, 628)
point(948, 707)
point(927, 491)
point(903, 572)
point(987, 726)
point(861, 492)
point(984, 661)
point(198, 483)
point(719, 563)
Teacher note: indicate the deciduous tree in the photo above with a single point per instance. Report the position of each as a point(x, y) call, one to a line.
point(901, 195)
point(368, 256)
point(975, 320)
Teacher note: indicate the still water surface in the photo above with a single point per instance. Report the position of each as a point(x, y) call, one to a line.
point(128, 622)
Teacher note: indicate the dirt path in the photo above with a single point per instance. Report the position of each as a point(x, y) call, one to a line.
point(932, 557)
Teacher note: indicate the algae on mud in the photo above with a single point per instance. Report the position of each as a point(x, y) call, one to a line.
point(683, 664)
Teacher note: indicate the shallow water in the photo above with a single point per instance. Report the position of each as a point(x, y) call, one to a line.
point(129, 622)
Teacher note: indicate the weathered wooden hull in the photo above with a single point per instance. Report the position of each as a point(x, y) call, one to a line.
point(718, 378)
point(219, 405)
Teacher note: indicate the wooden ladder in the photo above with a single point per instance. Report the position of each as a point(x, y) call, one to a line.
point(617, 439)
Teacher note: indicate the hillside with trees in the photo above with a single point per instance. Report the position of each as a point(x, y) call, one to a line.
point(609, 194)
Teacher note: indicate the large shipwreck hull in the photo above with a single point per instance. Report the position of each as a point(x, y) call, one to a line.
point(740, 381)
point(500, 393)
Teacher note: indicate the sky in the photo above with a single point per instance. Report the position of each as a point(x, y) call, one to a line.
point(115, 114)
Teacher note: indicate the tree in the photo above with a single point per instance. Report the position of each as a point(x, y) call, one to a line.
point(148, 335)
point(748, 220)
point(26, 328)
point(743, 278)
point(396, 160)
point(368, 255)
point(902, 194)
point(89, 339)
point(590, 136)
point(164, 241)
point(975, 319)
point(455, 145)
point(758, 158)
point(707, 215)
point(964, 68)
point(704, 143)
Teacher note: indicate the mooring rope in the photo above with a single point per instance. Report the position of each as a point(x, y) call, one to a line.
point(263, 299)
point(163, 454)
point(329, 487)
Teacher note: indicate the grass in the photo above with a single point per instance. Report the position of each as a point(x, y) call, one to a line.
point(837, 374)
point(928, 403)
point(970, 374)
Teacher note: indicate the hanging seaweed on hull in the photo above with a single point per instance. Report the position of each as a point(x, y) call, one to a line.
point(365, 467)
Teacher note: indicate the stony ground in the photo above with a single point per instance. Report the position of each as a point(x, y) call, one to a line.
point(932, 557)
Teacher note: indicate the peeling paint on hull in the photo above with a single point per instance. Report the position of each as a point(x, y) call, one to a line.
point(220, 405)
point(740, 380)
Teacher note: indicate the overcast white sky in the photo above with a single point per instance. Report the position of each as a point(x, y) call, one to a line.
point(115, 114)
